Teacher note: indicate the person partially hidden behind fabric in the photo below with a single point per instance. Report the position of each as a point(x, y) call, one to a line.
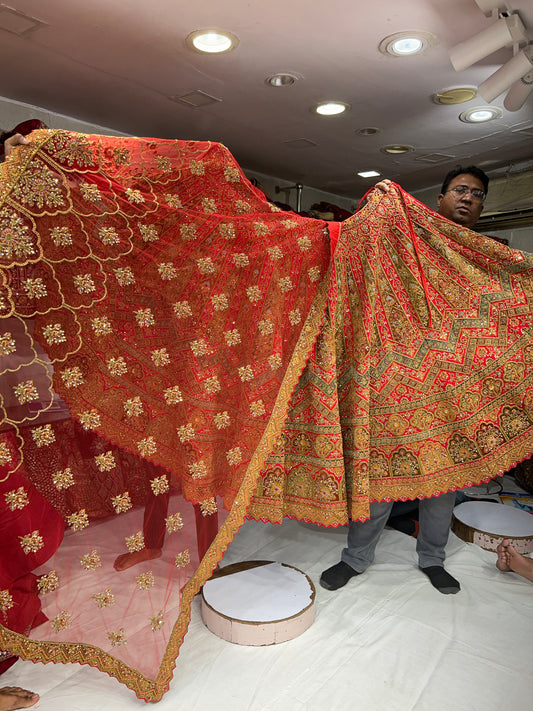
point(461, 200)
point(510, 560)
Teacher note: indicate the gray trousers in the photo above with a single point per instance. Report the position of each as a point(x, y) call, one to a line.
point(435, 515)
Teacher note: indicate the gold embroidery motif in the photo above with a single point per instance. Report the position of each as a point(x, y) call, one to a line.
point(61, 236)
point(6, 600)
point(90, 420)
point(241, 206)
point(197, 167)
point(234, 456)
point(220, 302)
point(90, 192)
point(173, 523)
point(108, 235)
point(265, 327)
point(274, 361)
point(188, 232)
point(156, 622)
point(275, 253)
point(7, 344)
point(145, 581)
point(43, 436)
point(208, 507)
point(38, 186)
point(101, 326)
point(241, 260)
point(227, 231)
point(133, 407)
point(121, 156)
point(84, 283)
point(48, 583)
point(105, 462)
point(200, 347)
point(122, 502)
point(124, 276)
point(117, 638)
point(148, 232)
point(32, 542)
point(147, 446)
point(246, 373)
point(197, 469)
point(186, 432)
point(164, 164)
point(135, 543)
point(134, 196)
point(261, 229)
point(295, 317)
point(145, 317)
point(232, 337)
point(26, 392)
point(285, 284)
point(221, 420)
point(205, 265)
point(231, 174)
point(63, 478)
point(16, 498)
point(159, 485)
point(5, 453)
point(257, 408)
point(91, 561)
point(209, 205)
point(72, 377)
point(160, 357)
point(173, 395)
point(314, 273)
point(253, 293)
point(182, 309)
point(104, 599)
point(53, 333)
point(167, 271)
point(35, 288)
point(78, 520)
point(182, 559)
point(61, 621)
point(304, 243)
point(14, 237)
point(212, 385)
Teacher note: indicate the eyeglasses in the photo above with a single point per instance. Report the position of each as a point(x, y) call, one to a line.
point(476, 194)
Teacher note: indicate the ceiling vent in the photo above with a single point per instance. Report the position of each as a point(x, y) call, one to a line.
point(17, 23)
point(300, 143)
point(434, 158)
point(196, 99)
point(528, 131)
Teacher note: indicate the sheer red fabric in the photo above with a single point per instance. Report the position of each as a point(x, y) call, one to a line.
point(172, 348)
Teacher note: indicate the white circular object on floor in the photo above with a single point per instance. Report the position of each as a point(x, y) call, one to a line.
point(487, 524)
point(258, 603)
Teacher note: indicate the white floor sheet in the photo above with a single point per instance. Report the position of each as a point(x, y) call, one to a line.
point(387, 641)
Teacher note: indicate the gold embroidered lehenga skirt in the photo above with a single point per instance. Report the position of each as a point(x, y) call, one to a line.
point(177, 355)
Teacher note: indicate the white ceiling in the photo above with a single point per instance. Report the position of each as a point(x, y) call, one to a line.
point(118, 63)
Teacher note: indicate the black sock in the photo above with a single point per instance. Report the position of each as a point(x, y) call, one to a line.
point(441, 580)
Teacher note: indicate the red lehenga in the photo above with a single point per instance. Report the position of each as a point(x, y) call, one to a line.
point(217, 353)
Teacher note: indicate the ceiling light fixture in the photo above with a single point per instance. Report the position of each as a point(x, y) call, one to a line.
point(281, 79)
point(455, 95)
point(405, 44)
point(212, 41)
point(480, 114)
point(505, 32)
point(397, 149)
point(369, 174)
point(331, 108)
point(511, 72)
point(518, 93)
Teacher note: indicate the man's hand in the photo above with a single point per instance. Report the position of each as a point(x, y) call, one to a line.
point(384, 185)
point(17, 140)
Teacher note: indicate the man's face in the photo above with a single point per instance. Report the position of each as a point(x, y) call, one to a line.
point(463, 209)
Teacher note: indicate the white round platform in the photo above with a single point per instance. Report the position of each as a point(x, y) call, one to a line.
point(258, 603)
point(487, 524)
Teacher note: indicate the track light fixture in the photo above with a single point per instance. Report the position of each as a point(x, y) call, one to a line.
point(505, 32)
point(511, 72)
point(518, 93)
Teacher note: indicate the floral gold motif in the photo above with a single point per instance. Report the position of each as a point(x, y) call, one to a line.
point(159, 485)
point(48, 583)
point(182, 309)
point(241, 260)
point(26, 392)
point(90, 419)
point(220, 302)
point(72, 377)
point(61, 621)
point(121, 502)
point(135, 543)
point(160, 357)
point(156, 622)
point(186, 432)
point(104, 599)
point(53, 333)
point(182, 559)
point(234, 456)
point(167, 271)
point(197, 469)
point(227, 230)
point(245, 373)
point(63, 478)
point(84, 283)
point(106, 461)
point(173, 395)
point(91, 561)
point(145, 581)
point(124, 276)
point(145, 317)
point(212, 385)
point(148, 232)
point(78, 520)
point(117, 637)
point(133, 407)
point(173, 523)
point(7, 344)
point(208, 507)
point(35, 288)
point(61, 236)
point(43, 436)
point(134, 196)
point(108, 235)
point(147, 446)
point(32, 542)
point(16, 498)
point(14, 238)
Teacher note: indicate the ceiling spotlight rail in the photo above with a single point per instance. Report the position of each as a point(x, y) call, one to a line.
point(507, 30)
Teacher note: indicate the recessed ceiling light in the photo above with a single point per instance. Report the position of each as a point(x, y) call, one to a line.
point(397, 149)
point(282, 79)
point(455, 95)
point(404, 44)
point(367, 131)
point(480, 114)
point(369, 174)
point(331, 108)
point(212, 41)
